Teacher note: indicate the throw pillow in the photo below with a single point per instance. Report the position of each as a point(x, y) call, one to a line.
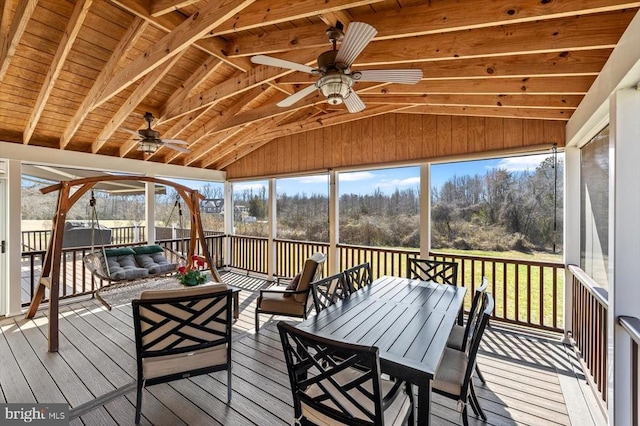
point(293, 285)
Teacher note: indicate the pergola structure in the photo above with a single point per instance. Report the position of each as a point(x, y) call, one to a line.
point(499, 77)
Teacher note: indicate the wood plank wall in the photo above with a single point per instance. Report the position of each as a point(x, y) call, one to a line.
point(394, 138)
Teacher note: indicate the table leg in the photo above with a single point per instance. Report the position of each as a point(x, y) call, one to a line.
point(424, 404)
point(236, 305)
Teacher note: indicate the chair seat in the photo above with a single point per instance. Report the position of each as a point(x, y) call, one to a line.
point(178, 363)
point(450, 375)
point(456, 337)
point(395, 414)
point(276, 302)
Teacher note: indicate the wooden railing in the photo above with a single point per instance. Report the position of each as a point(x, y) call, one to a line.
point(248, 253)
point(291, 254)
point(526, 292)
point(589, 331)
point(632, 326)
point(383, 261)
point(76, 280)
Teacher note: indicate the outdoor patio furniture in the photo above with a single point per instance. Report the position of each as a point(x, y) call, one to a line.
point(459, 334)
point(393, 313)
point(358, 276)
point(130, 263)
point(453, 378)
point(327, 291)
point(433, 270)
point(349, 391)
point(291, 300)
point(181, 333)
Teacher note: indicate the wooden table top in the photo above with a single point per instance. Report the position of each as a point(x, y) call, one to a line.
point(408, 320)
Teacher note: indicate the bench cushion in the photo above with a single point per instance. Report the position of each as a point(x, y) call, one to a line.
point(125, 268)
point(155, 263)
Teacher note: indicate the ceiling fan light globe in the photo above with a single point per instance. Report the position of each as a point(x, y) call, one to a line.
point(148, 147)
point(335, 99)
point(335, 87)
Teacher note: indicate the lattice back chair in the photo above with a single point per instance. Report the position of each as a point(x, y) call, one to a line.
point(327, 291)
point(433, 270)
point(459, 336)
point(454, 377)
point(290, 300)
point(358, 276)
point(328, 390)
point(181, 333)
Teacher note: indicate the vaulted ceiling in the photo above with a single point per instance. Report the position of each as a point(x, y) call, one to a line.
point(76, 75)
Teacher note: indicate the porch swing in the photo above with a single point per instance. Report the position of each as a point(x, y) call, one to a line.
point(50, 271)
point(124, 264)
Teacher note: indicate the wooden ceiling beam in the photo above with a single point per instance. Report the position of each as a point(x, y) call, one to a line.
point(162, 7)
point(239, 83)
point(169, 22)
point(247, 143)
point(228, 149)
point(147, 84)
point(503, 112)
point(330, 119)
point(330, 18)
point(268, 111)
point(80, 11)
point(204, 71)
point(187, 33)
point(520, 101)
point(230, 146)
point(263, 13)
point(578, 85)
point(130, 38)
point(14, 33)
point(430, 18)
point(566, 63)
point(5, 18)
point(189, 119)
point(220, 119)
point(555, 35)
point(211, 144)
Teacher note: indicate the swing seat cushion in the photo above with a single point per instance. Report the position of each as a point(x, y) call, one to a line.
point(122, 264)
point(123, 267)
point(155, 263)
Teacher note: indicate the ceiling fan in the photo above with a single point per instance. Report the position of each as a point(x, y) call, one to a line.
point(149, 140)
point(334, 68)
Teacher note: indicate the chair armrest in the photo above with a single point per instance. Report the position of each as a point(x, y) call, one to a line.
point(292, 292)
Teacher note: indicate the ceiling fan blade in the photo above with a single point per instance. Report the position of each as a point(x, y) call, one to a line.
point(275, 62)
point(355, 40)
point(176, 148)
point(287, 102)
point(354, 103)
point(174, 141)
point(405, 76)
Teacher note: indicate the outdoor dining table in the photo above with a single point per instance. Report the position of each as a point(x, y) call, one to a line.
point(408, 320)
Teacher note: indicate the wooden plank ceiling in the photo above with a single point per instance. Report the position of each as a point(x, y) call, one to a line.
point(74, 75)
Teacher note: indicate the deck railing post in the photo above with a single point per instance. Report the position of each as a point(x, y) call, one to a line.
point(624, 246)
point(571, 222)
point(333, 260)
point(273, 229)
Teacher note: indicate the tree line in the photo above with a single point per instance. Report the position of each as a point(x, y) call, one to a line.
point(495, 211)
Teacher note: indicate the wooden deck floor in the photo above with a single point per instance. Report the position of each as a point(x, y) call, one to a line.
point(531, 380)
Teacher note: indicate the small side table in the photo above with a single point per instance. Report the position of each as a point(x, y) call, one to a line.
point(235, 292)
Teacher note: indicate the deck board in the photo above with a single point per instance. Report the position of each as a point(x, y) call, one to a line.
point(526, 374)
